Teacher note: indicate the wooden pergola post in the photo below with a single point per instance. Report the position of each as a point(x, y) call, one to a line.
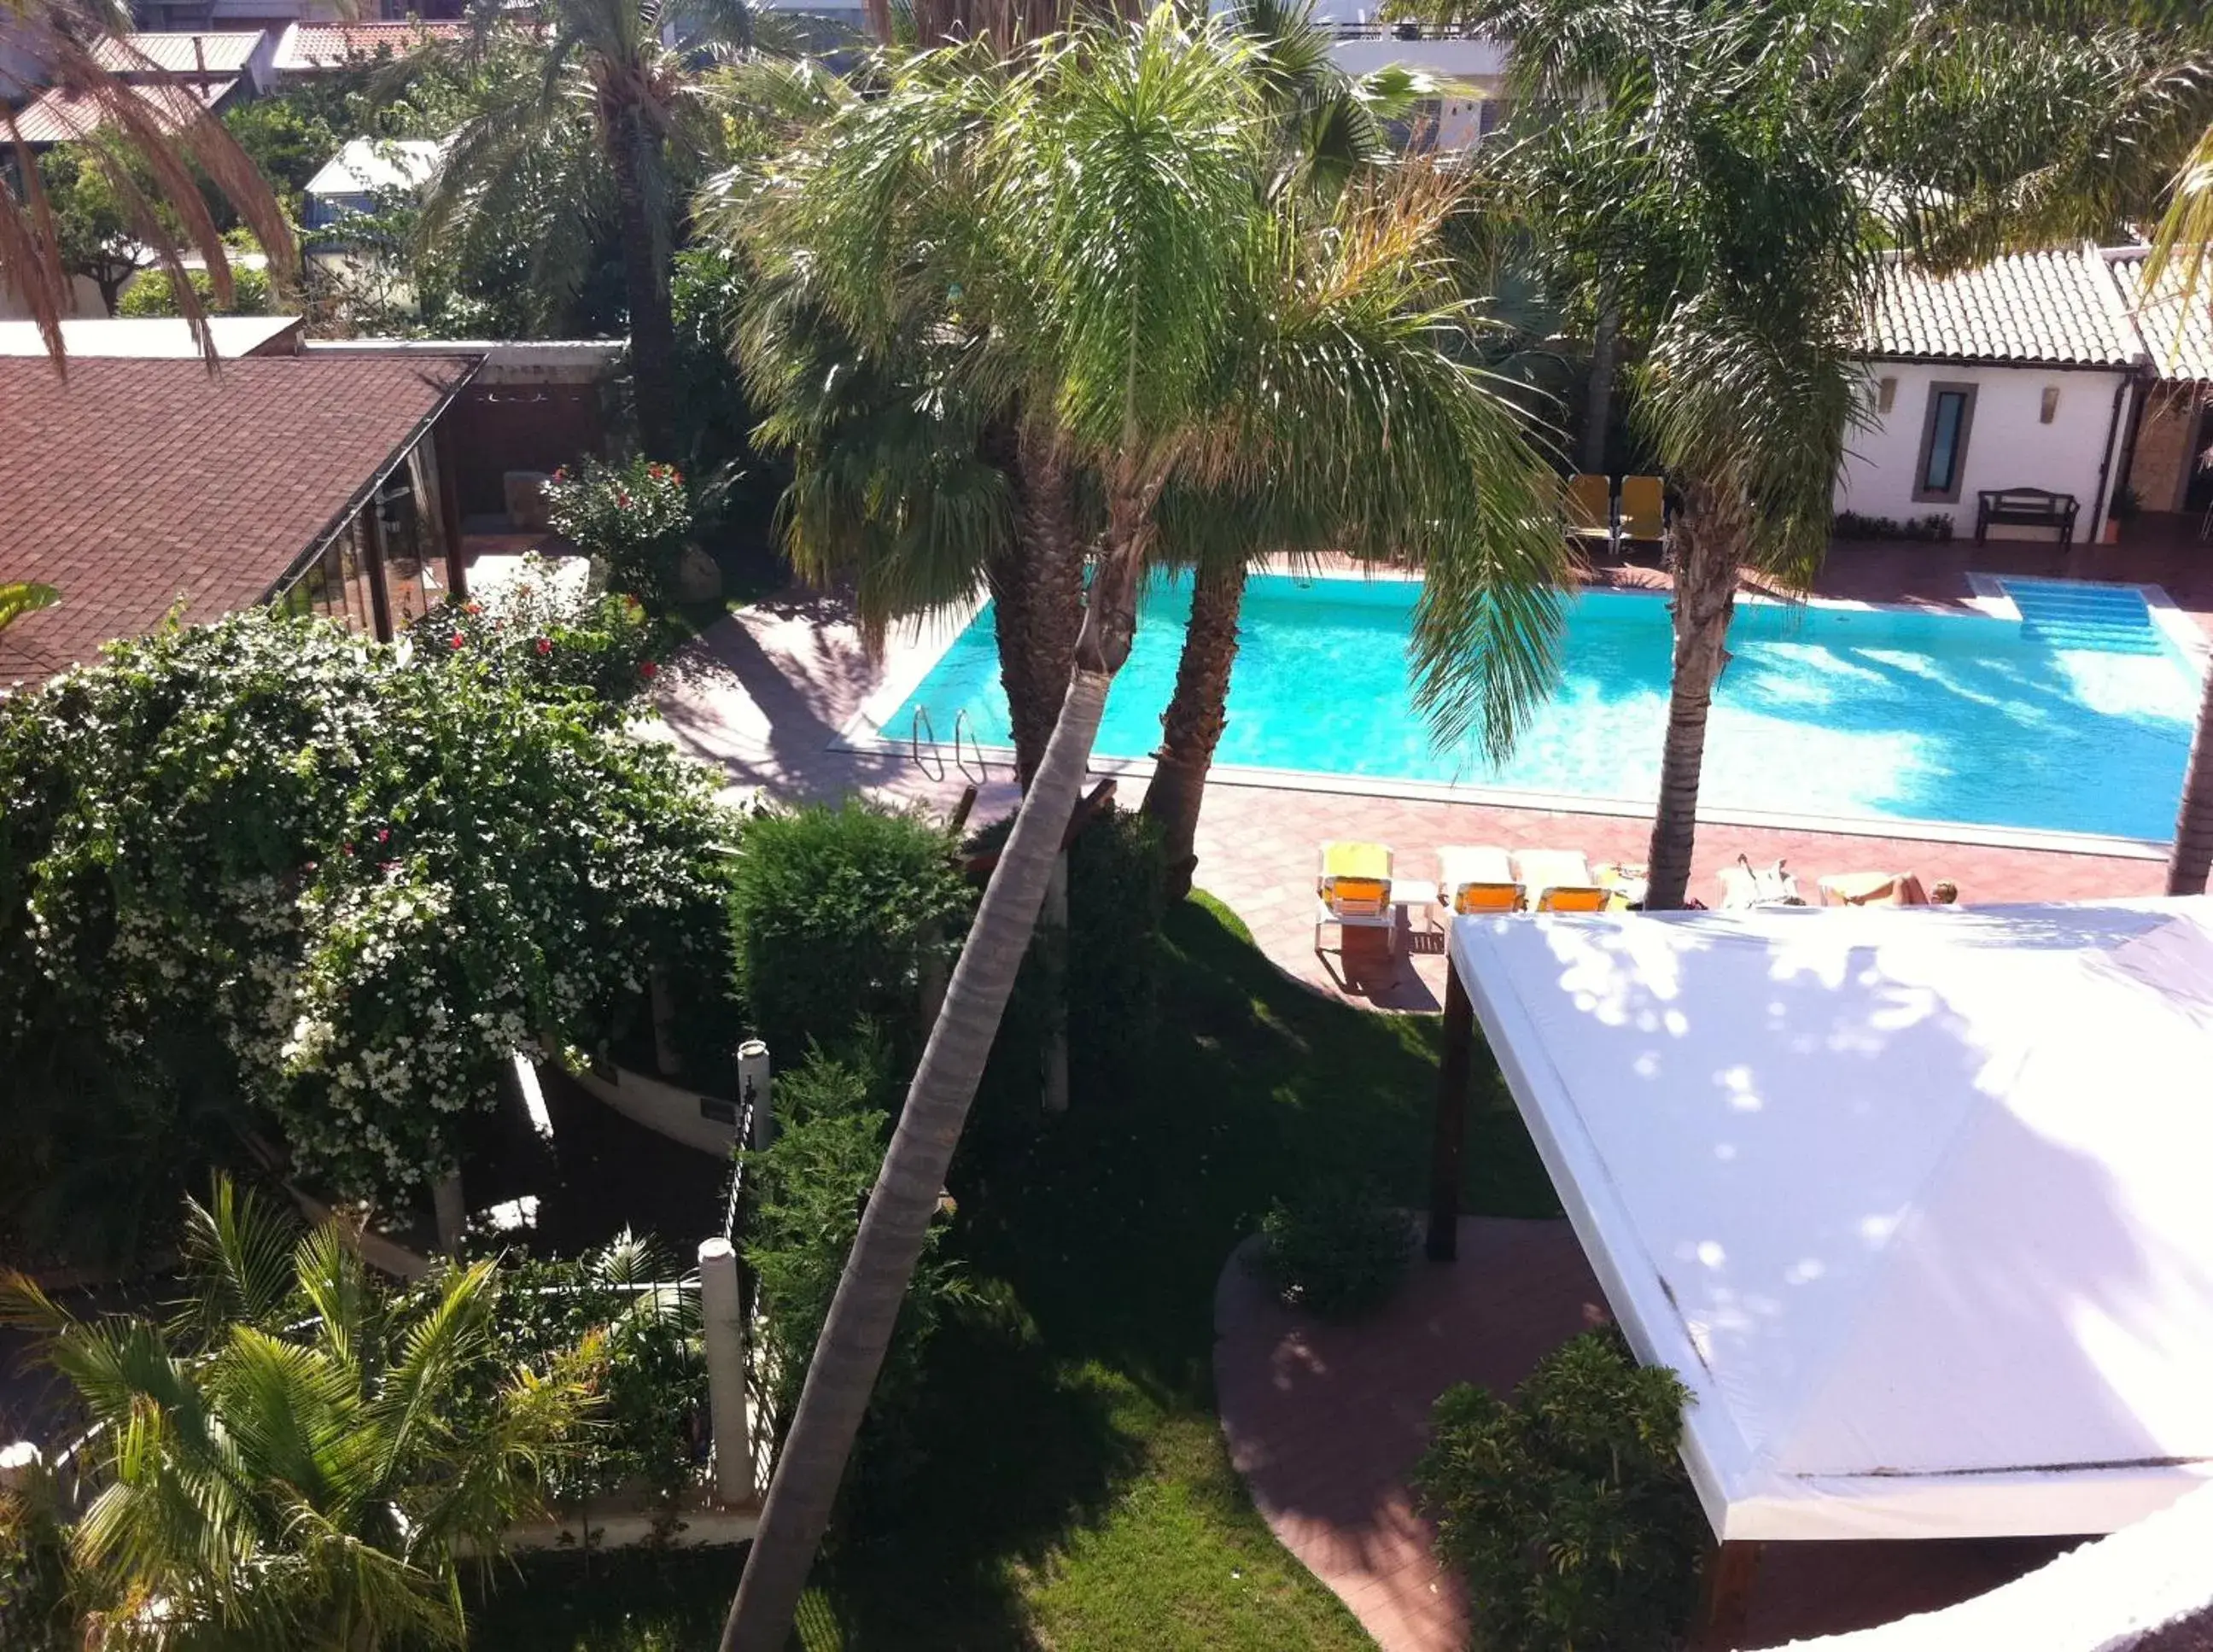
point(1725, 1597)
point(1448, 1137)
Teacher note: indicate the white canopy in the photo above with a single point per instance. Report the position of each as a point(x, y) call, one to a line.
point(1919, 1203)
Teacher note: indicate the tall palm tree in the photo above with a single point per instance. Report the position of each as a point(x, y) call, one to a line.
point(596, 118)
point(2182, 255)
point(1084, 233)
point(301, 1456)
point(1732, 178)
point(160, 196)
point(1328, 129)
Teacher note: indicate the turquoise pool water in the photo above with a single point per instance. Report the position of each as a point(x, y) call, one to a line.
point(1823, 710)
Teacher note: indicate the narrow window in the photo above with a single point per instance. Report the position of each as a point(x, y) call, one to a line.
point(1944, 443)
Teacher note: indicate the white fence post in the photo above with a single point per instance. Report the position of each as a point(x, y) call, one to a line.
point(754, 1084)
point(722, 1324)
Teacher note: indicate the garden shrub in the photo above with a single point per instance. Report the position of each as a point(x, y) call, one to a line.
point(153, 294)
point(649, 1427)
point(805, 1193)
point(1338, 1250)
point(340, 883)
point(35, 1575)
point(1568, 1508)
point(631, 519)
point(834, 913)
point(1934, 528)
point(602, 650)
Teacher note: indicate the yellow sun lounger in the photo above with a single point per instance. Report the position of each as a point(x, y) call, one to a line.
point(1559, 880)
point(1472, 878)
point(1356, 890)
point(1587, 504)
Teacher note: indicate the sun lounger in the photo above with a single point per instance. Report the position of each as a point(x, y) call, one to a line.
point(1472, 878)
point(1355, 890)
point(1588, 504)
point(1643, 511)
point(1873, 889)
point(1559, 880)
point(1746, 885)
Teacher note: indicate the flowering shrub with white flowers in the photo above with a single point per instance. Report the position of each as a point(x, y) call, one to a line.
point(540, 634)
point(372, 873)
point(632, 518)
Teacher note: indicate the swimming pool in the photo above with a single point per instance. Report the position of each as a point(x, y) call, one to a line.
point(1826, 710)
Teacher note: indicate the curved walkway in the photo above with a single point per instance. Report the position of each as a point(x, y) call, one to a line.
point(1325, 1422)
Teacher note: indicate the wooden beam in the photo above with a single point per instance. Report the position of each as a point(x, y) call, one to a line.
point(445, 476)
point(1725, 1596)
point(379, 598)
point(1449, 1135)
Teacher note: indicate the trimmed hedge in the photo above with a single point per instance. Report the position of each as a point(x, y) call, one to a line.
point(1337, 1251)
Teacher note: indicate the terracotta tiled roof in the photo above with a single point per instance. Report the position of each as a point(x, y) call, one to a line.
point(2057, 308)
point(226, 54)
point(308, 46)
point(2178, 338)
point(60, 116)
point(133, 485)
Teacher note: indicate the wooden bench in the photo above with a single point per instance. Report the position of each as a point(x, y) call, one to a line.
point(2024, 508)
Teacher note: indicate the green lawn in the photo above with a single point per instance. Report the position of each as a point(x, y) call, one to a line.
point(1078, 1496)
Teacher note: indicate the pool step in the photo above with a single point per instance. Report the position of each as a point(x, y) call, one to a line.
point(2069, 614)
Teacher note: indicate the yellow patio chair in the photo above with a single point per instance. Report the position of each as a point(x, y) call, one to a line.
point(1643, 511)
point(1353, 891)
point(1471, 880)
point(1588, 506)
point(1560, 880)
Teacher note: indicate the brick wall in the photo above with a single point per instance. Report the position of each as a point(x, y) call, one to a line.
point(2159, 472)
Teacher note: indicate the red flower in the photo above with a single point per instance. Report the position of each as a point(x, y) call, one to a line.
point(346, 848)
point(384, 834)
point(473, 608)
point(457, 639)
point(648, 669)
point(545, 645)
point(623, 499)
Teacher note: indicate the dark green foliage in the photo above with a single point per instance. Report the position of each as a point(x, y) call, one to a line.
point(1934, 528)
point(34, 1570)
point(650, 1420)
point(1568, 1508)
point(713, 415)
point(834, 913)
point(1336, 1250)
point(152, 293)
point(805, 1193)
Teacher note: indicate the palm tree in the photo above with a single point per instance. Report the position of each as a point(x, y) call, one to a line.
point(22, 596)
point(593, 121)
point(160, 196)
point(1732, 178)
point(1084, 233)
point(1328, 128)
point(301, 1456)
point(2182, 252)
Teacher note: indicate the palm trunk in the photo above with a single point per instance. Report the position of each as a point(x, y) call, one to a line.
point(1709, 548)
point(1037, 598)
point(1191, 726)
point(849, 1351)
point(2186, 869)
point(1598, 403)
point(645, 290)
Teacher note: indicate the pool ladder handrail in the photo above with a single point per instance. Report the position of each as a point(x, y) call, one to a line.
point(922, 738)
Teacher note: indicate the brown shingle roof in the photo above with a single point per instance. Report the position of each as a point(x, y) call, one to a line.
point(2057, 308)
point(135, 485)
point(308, 46)
point(2178, 337)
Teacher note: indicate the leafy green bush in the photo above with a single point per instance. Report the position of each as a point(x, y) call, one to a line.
point(805, 1193)
point(652, 1375)
point(341, 882)
point(35, 1613)
point(536, 637)
point(1568, 1509)
point(153, 294)
point(834, 913)
point(1338, 1250)
point(632, 518)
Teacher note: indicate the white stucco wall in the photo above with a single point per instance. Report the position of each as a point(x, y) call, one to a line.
point(2008, 446)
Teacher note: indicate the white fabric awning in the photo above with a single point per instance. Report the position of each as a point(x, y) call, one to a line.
point(1919, 1202)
